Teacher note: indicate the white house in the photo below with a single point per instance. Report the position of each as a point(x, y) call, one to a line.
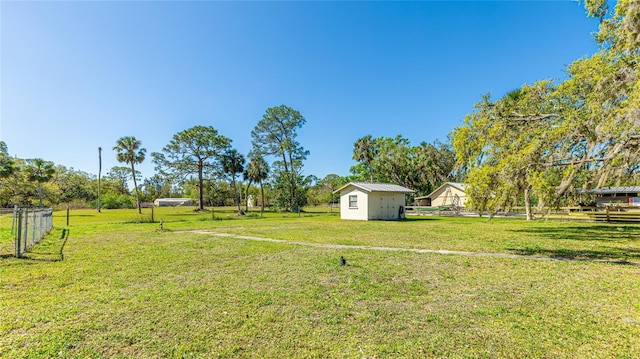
point(450, 193)
point(161, 202)
point(369, 201)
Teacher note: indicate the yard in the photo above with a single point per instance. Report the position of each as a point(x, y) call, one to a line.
point(127, 288)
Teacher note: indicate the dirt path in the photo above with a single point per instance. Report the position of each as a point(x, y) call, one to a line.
point(413, 250)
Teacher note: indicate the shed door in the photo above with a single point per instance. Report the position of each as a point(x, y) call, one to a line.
point(388, 208)
point(393, 211)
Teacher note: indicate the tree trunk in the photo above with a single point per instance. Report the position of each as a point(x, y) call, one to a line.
point(99, 175)
point(200, 185)
point(40, 193)
point(135, 188)
point(293, 185)
point(527, 204)
point(292, 190)
point(262, 198)
point(235, 193)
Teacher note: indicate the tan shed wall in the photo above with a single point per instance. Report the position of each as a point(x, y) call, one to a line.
point(440, 197)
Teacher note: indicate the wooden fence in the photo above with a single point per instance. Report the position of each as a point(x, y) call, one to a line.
point(599, 214)
point(606, 214)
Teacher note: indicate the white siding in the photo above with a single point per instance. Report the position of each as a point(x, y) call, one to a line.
point(374, 201)
point(359, 213)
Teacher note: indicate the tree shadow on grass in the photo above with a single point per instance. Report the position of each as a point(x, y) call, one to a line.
point(29, 258)
point(420, 218)
point(42, 257)
point(627, 238)
point(605, 233)
point(50, 250)
point(610, 254)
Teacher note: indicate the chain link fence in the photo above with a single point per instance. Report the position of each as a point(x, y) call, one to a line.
point(29, 226)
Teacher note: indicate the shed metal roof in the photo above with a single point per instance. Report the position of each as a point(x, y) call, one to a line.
point(615, 190)
point(376, 187)
point(173, 199)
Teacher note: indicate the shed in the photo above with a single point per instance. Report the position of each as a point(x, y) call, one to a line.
point(372, 201)
point(162, 202)
point(450, 193)
point(618, 196)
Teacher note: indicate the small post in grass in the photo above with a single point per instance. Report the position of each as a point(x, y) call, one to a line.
point(67, 215)
point(19, 235)
point(152, 214)
point(14, 219)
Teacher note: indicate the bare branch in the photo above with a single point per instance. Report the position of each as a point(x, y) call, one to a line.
point(532, 117)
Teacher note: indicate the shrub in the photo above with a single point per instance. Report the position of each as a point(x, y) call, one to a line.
point(115, 201)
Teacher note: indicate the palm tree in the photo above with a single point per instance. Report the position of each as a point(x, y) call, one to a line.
point(365, 149)
point(128, 151)
point(233, 163)
point(40, 171)
point(257, 171)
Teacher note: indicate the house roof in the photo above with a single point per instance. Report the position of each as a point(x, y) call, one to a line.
point(614, 190)
point(461, 186)
point(376, 187)
point(173, 199)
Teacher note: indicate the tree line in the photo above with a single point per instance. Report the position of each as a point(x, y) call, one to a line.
point(198, 163)
point(393, 160)
point(549, 143)
point(201, 164)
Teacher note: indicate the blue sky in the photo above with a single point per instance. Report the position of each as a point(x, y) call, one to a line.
point(79, 75)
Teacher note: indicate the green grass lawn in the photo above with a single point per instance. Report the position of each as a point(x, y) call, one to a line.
point(128, 289)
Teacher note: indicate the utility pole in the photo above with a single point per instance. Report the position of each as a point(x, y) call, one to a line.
point(99, 174)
